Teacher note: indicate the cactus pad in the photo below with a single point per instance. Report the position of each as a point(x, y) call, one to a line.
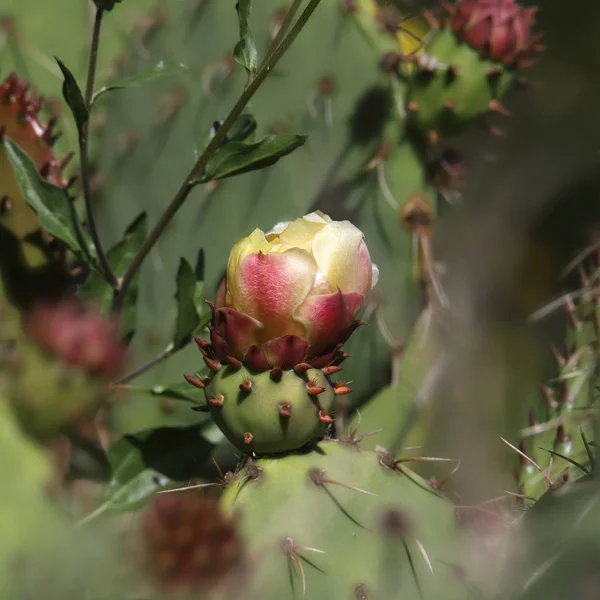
point(338, 523)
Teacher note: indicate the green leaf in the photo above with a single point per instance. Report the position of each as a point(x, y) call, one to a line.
point(96, 289)
point(73, 96)
point(192, 311)
point(234, 158)
point(159, 70)
point(181, 390)
point(245, 52)
point(149, 461)
point(187, 316)
point(243, 127)
point(51, 204)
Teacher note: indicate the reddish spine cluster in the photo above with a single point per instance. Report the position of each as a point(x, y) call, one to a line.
point(20, 120)
point(79, 337)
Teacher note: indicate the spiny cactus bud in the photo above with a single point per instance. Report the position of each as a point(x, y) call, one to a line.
point(77, 336)
point(292, 293)
point(188, 543)
point(500, 30)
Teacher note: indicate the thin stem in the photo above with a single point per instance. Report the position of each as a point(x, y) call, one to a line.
point(284, 28)
point(91, 76)
point(197, 170)
point(166, 353)
point(84, 158)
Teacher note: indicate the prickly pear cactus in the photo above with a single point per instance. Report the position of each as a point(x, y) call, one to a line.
point(376, 111)
point(342, 522)
point(289, 302)
point(557, 445)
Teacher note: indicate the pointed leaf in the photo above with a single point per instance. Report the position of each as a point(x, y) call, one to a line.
point(192, 311)
point(72, 94)
point(51, 204)
point(96, 289)
point(187, 316)
point(245, 52)
point(159, 70)
point(181, 390)
point(148, 461)
point(235, 158)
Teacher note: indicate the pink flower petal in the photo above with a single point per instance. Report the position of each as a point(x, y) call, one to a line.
point(221, 298)
point(323, 360)
point(327, 318)
point(256, 360)
point(240, 330)
point(219, 345)
point(270, 287)
point(286, 351)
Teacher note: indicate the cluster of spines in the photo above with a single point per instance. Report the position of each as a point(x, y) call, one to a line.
point(15, 94)
point(566, 401)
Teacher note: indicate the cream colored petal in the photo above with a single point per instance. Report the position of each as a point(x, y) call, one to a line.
point(276, 230)
point(317, 217)
point(300, 233)
point(342, 256)
point(375, 275)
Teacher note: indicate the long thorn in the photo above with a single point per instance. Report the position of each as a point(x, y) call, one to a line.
point(424, 553)
point(349, 487)
point(528, 459)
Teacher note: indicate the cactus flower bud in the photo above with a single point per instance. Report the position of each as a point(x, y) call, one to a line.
point(500, 30)
point(79, 337)
point(292, 294)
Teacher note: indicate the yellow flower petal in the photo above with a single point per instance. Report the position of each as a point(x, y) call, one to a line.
point(300, 233)
point(317, 217)
point(342, 256)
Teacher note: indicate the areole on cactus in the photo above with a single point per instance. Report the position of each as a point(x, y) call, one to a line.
point(290, 300)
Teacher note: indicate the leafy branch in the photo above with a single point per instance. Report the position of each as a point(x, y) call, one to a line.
point(197, 171)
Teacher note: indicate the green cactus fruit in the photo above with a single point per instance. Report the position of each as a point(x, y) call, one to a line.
point(55, 371)
point(46, 395)
point(341, 522)
point(270, 412)
point(461, 68)
point(450, 85)
point(469, 62)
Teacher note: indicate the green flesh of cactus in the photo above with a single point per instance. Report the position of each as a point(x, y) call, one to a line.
point(457, 88)
point(278, 415)
point(341, 524)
